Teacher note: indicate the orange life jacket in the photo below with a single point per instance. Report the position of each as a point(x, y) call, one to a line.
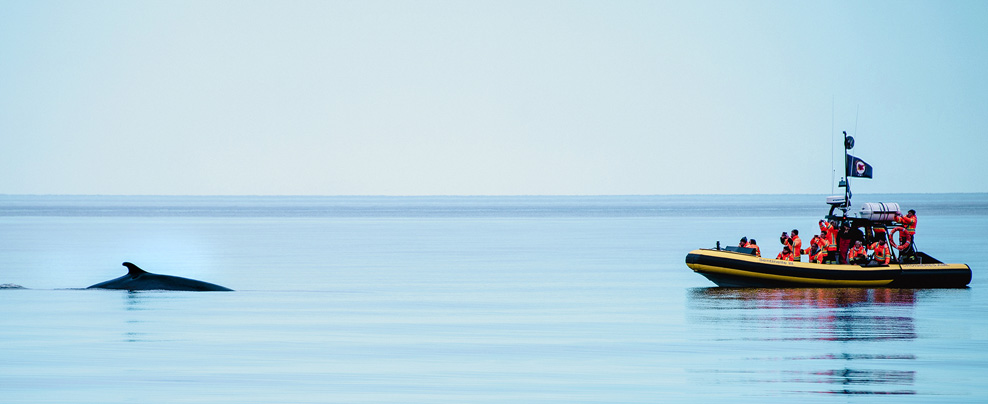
point(758, 251)
point(856, 252)
point(831, 235)
point(908, 222)
point(796, 245)
point(882, 253)
point(815, 242)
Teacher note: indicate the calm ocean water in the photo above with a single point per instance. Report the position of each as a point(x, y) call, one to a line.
point(468, 300)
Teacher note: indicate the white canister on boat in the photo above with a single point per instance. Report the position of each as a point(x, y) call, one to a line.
point(879, 211)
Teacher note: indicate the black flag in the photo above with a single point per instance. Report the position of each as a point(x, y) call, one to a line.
point(857, 167)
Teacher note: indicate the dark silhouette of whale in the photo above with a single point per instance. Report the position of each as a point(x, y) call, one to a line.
point(139, 279)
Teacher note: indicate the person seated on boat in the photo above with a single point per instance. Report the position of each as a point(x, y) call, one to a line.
point(817, 250)
point(796, 245)
point(857, 255)
point(812, 248)
point(785, 255)
point(821, 255)
point(880, 252)
point(909, 222)
point(754, 244)
point(822, 242)
point(744, 242)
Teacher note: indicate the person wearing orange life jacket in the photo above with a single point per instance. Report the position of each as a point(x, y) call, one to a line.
point(817, 249)
point(828, 230)
point(785, 255)
point(909, 222)
point(881, 253)
point(822, 242)
point(858, 254)
point(754, 244)
point(809, 251)
point(880, 232)
point(795, 245)
point(906, 251)
point(821, 255)
point(786, 242)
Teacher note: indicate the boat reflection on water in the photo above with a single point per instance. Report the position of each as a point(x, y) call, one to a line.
point(822, 297)
point(849, 340)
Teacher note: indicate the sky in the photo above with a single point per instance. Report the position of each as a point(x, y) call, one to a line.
point(490, 97)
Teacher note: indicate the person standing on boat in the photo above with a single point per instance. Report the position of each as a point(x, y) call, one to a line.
point(796, 245)
point(846, 239)
point(906, 251)
point(823, 243)
point(909, 222)
point(828, 230)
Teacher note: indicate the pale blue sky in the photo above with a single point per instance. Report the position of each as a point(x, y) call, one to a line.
point(489, 98)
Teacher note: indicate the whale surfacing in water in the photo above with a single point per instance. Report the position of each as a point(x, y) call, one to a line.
point(139, 279)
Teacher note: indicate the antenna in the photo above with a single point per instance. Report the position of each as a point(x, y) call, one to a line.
point(856, 119)
point(846, 182)
point(833, 171)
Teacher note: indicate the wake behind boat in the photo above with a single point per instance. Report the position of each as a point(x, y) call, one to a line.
point(876, 223)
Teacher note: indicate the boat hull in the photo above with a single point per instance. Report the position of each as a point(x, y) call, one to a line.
point(732, 269)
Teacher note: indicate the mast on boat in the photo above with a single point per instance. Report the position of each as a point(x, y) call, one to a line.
point(837, 202)
point(846, 182)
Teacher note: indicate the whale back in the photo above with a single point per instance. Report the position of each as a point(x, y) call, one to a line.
point(139, 279)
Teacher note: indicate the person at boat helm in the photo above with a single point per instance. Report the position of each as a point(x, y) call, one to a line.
point(785, 255)
point(909, 222)
point(906, 251)
point(754, 244)
point(880, 252)
point(857, 255)
point(844, 242)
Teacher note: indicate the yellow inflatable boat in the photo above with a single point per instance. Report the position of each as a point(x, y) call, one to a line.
point(739, 269)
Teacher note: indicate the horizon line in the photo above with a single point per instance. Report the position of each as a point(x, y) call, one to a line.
point(477, 195)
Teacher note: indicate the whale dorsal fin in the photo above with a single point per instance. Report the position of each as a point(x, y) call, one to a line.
point(133, 270)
